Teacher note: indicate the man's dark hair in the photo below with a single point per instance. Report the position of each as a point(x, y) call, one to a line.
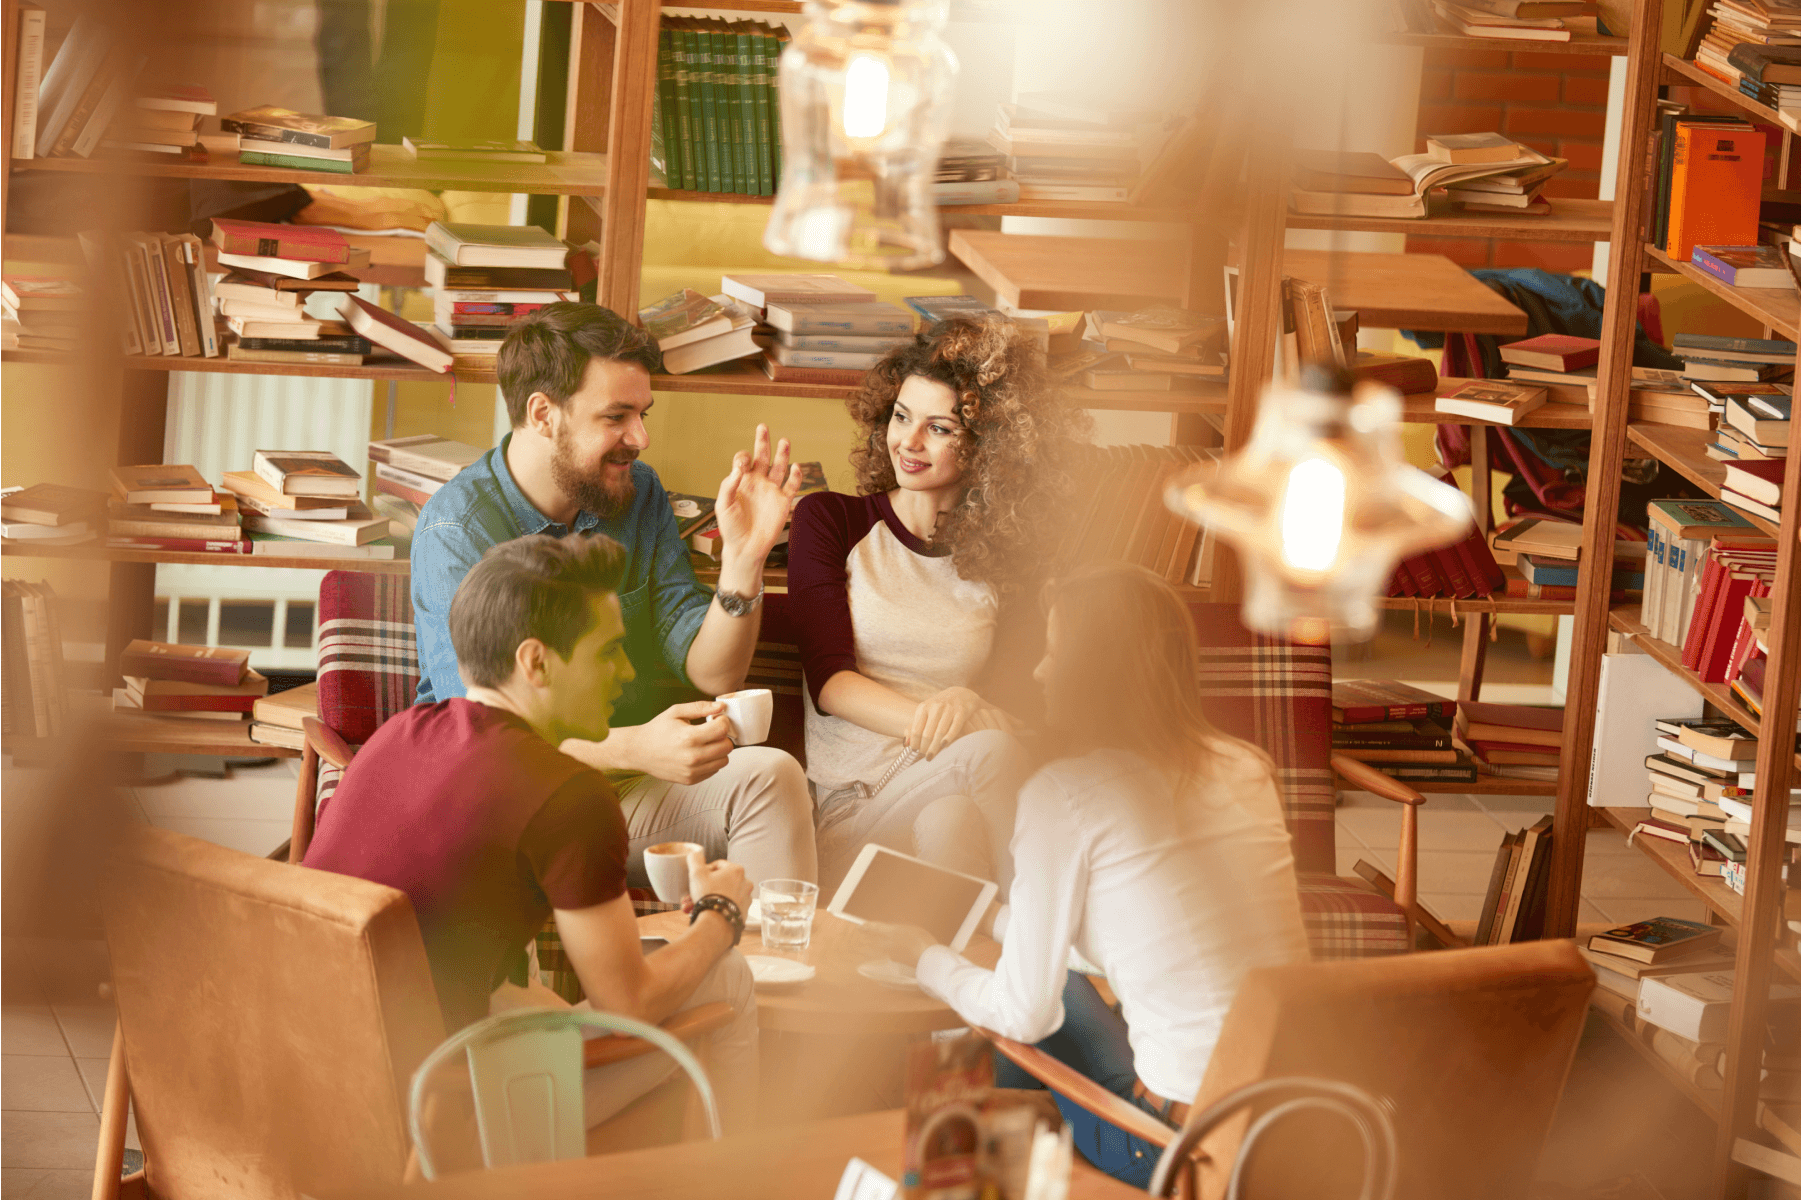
point(531, 587)
point(548, 351)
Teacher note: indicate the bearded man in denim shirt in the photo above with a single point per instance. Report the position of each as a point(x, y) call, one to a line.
point(576, 380)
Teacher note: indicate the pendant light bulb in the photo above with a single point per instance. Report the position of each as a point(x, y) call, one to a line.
point(865, 97)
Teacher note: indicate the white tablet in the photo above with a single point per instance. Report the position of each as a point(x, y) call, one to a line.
point(898, 889)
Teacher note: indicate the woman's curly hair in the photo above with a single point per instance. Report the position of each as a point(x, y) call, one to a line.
point(1015, 453)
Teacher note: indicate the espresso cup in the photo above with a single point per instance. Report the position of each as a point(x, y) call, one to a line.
point(667, 865)
point(748, 713)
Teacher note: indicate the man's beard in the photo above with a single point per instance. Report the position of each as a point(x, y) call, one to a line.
point(590, 493)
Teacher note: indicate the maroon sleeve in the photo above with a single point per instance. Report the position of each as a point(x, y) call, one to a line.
point(824, 528)
point(576, 844)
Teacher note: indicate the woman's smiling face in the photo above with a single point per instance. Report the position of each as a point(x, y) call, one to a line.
point(924, 434)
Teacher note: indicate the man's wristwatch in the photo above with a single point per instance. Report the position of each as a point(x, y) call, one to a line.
point(736, 605)
point(726, 907)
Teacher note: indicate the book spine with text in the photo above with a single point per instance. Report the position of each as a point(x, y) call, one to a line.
point(31, 74)
point(766, 106)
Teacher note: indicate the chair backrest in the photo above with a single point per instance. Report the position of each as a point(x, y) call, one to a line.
point(272, 1015)
point(1277, 695)
point(368, 653)
point(1470, 1048)
point(525, 1070)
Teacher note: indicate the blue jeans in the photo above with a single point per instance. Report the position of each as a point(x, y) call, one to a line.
point(1093, 1041)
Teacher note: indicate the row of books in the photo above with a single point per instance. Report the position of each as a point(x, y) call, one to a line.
point(33, 689)
point(716, 120)
point(1504, 20)
point(1157, 349)
point(1465, 570)
point(1062, 147)
point(1477, 172)
point(1121, 515)
point(1708, 182)
point(407, 471)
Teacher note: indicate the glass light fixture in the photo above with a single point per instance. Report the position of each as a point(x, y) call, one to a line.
point(1321, 506)
point(866, 96)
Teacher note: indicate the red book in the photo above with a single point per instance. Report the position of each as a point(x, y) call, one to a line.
point(393, 333)
point(199, 703)
point(304, 243)
point(821, 375)
point(1745, 644)
point(184, 545)
point(196, 664)
point(1705, 599)
point(1401, 582)
point(1425, 576)
point(1479, 560)
point(1356, 701)
point(1759, 479)
point(1516, 716)
point(390, 488)
point(1553, 352)
point(1451, 567)
point(1716, 649)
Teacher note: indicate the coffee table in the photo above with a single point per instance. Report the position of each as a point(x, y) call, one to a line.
point(795, 1162)
point(837, 1000)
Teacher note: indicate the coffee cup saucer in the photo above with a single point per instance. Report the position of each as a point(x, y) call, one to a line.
point(767, 971)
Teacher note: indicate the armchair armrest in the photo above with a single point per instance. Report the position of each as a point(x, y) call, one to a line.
point(327, 743)
point(1073, 1085)
point(685, 1026)
point(1366, 778)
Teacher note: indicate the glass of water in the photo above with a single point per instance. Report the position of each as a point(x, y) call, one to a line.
point(787, 906)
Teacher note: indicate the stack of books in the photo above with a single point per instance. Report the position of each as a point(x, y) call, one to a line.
point(1512, 741)
point(715, 116)
point(1758, 366)
point(408, 471)
point(273, 270)
point(1562, 360)
point(308, 504)
point(972, 172)
point(50, 514)
point(1513, 910)
point(275, 719)
point(1624, 957)
point(784, 362)
point(33, 690)
point(1756, 48)
point(1401, 729)
point(695, 331)
point(45, 314)
point(1754, 422)
point(88, 97)
point(1546, 551)
point(1482, 172)
point(819, 333)
point(280, 137)
point(1061, 147)
point(1503, 20)
point(485, 277)
point(1700, 766)
point(1158, 349)
point(201, 683)
point(171, 507)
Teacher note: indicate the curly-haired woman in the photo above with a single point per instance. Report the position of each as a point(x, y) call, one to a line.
point(900, 592)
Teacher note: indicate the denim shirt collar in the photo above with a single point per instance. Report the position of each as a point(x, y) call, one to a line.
point(525, 514)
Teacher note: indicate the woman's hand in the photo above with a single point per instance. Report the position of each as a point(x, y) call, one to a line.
point(942, 719)
point(900, 943)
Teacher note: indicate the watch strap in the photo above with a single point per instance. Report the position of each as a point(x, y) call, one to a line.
point(726, 907)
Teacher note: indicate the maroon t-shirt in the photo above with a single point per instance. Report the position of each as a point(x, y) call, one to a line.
point(485, 826)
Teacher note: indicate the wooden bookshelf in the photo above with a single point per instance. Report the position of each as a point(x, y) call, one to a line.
point(1708, 1102)
point(1683, 73)
point(1778, 308)
point(1578, 43)
point(144, 733)
point(96, 552)
point(1568, 221)
point(565, 174)
point(1684, 451)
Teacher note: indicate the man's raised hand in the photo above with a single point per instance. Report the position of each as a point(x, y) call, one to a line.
point(754, 499)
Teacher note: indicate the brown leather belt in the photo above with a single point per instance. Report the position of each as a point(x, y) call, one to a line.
point(1175, 1113)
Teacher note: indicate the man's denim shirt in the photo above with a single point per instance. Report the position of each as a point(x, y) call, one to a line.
point(662, 601)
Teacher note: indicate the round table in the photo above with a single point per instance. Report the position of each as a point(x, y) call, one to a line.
point(837, 1000)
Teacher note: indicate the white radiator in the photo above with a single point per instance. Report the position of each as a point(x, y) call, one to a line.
point(217, 422)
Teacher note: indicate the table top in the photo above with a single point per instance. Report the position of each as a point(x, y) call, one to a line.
point(794, 1162)
point(837, 999)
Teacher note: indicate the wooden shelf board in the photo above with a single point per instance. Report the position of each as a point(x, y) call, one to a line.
point(1707, 1102)
point(1389, 291)
point(1069, 210)
point(1485, 786)
point(381, 368)
point(1496, 604)
point(1714, 894)
point(95, 552)
point(1684, 451)
point(1626, 620)
point(1684, 73)
point(1779, 308)
point(34, 248)
point(1567, 409)
point(1578, 44)
point(1568, 221)
point(565, 174)
point(124, 733)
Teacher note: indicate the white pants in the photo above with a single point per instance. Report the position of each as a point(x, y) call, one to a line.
point(756, 812)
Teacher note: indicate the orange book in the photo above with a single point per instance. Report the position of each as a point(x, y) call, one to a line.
point(1716, 182)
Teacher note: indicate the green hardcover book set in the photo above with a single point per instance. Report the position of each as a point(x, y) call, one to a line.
point(716, 120)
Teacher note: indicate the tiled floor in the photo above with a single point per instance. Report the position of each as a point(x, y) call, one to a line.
point(57, 1028)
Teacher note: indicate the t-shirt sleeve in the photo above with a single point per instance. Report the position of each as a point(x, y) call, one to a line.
point(820, 538)
point(442, 553)
point(678, 601)
point(576, 844)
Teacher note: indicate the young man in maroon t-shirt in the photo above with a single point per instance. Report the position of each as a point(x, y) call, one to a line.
point(468, 807)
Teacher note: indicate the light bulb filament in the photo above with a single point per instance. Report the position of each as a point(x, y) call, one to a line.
point(1312, 519)
point(865, 97)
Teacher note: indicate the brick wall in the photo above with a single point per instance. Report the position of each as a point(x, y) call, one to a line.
point(1554, 103)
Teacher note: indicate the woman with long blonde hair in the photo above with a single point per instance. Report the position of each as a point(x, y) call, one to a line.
point(1155, 848)
point(901, 595)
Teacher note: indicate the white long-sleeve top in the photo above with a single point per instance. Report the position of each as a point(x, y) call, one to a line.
point(1173, 896)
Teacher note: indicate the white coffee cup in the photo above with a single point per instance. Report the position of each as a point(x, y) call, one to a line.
point(667, 865)
point(748, 713)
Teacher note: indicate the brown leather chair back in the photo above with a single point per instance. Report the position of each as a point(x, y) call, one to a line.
point(1470, 1047)
point(272, 1018)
